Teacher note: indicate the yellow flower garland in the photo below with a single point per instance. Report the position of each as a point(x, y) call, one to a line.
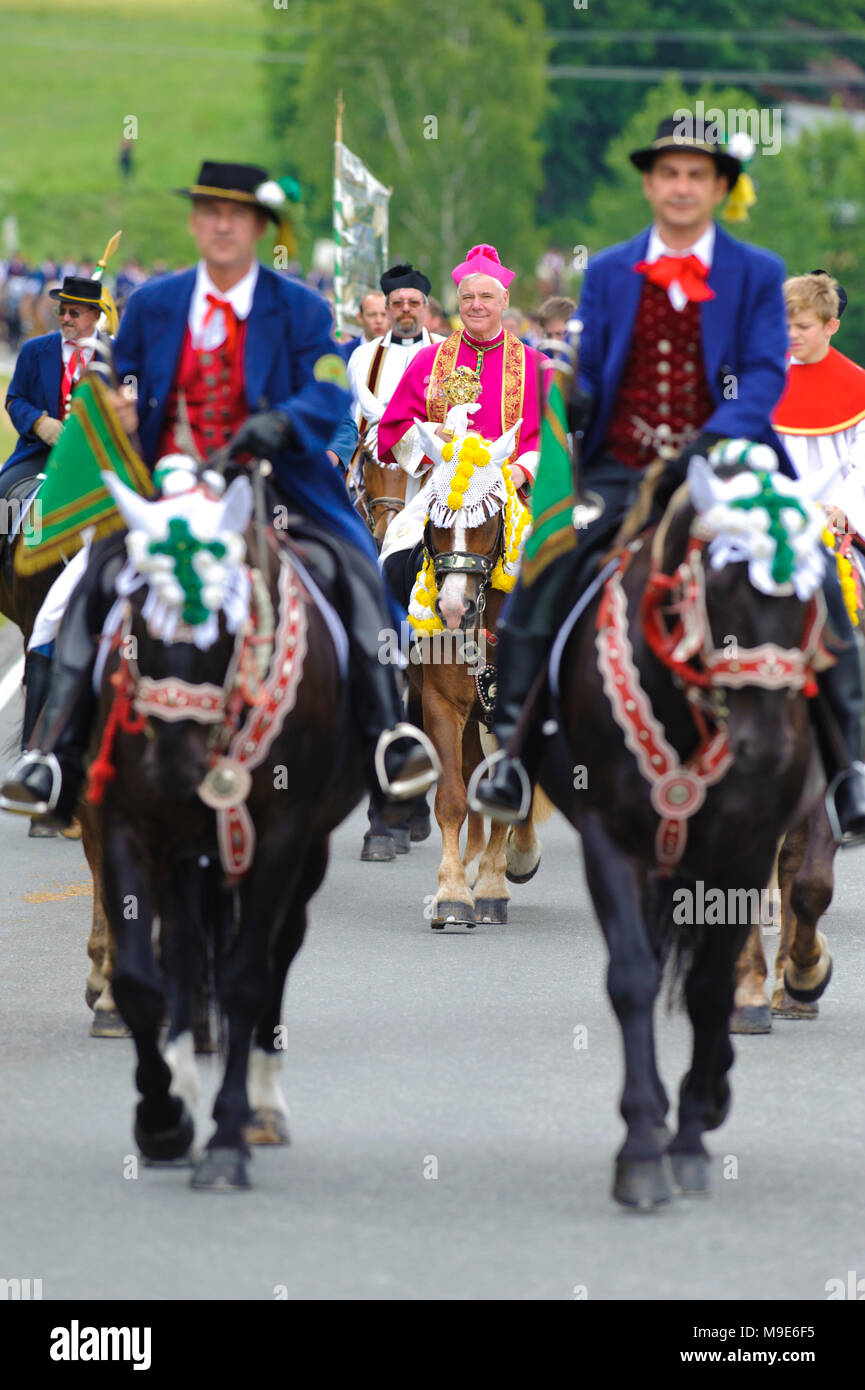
point(845, 577)
point(517, 518)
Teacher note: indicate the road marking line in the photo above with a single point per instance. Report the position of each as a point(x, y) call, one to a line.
point(11, 682)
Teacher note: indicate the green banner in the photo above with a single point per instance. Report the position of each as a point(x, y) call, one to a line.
point(73, 495)
point(553, 498)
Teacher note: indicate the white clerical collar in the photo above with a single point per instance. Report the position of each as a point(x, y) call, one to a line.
point(422, 338)
point(239, 297)
point(703, 247)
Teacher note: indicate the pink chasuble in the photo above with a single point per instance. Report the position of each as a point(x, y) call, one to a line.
point(498, 411)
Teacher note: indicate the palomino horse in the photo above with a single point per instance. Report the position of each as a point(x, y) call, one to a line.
point(21, 597)
point(472, 546)
point(695, 760)
point(226, 741)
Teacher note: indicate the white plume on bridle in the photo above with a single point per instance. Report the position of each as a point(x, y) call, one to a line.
point(485, 491)
point(219, 583)
point(741, 532)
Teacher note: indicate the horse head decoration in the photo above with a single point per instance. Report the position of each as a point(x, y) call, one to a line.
point(475, 529)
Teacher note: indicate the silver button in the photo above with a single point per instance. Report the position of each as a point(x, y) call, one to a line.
point(152, 402)
point(689, 367)
point(664, 368)
point(664, 388)
point(663, 409)
point(665, 345)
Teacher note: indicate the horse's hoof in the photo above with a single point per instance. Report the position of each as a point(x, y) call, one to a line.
point(642, 1183)
point(751, 1018)
point(521, 878)
point(38, 831)
point(808, 996)
point(72, 832)
point(491, 910)
point(783, 1006)
point(420, 830)
point(378, 849)
point(162, 1146)
point(267, 1126)
point(401, 839)
point(107, 1023)
point(221, 1170)
point(453, 917)
point(91, 995)
point(691, 1174)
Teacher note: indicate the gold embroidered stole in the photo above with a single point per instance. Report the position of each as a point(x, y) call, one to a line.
point(513, 381)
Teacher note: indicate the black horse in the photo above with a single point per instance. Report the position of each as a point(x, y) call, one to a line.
point(680, 800)
point(194, 812)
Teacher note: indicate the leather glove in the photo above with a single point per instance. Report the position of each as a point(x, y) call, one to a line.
point(677, 469)
point(264, 435)
point(48, 430)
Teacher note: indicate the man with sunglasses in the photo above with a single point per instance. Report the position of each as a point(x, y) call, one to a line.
point(47, 370)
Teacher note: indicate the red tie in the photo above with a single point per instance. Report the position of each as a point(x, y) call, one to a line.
point(690, 272)
point(73, 367)
point(230, 319)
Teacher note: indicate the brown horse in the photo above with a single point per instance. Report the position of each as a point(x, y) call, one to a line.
point(227, 757)
point(694, 760)
point(383, 491)
point(468, 549)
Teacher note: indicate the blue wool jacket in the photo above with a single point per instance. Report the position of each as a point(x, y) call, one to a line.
point(743, 331)
point(287, 333)
point(34, 390)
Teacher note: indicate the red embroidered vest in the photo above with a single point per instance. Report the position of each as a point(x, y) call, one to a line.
point(212, 382)
point(663, 398)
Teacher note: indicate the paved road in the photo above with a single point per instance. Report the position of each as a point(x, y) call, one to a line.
point(407, 1047)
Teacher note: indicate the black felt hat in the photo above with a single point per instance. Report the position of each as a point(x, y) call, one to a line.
point(684, 133)
point(404, 277)
point(78, 290)
point(239, 183)
point(839, 290)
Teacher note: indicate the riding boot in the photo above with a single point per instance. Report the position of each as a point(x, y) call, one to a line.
point(841, 688)
point(401, 759)
point(47, 780)
point(37, 677)
point(525, 638)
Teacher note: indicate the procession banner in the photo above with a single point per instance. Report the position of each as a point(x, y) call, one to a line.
point(553, 498)
point(360, 216)
point(73, 495)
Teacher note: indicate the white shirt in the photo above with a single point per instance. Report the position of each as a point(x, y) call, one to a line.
point(810, 452)
point(398, 353)
point(239, 297)
point(703, 247)
point(70, 346)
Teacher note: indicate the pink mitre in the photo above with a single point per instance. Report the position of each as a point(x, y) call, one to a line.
point(483, 260)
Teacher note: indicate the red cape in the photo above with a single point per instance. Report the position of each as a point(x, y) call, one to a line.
point(821, 397)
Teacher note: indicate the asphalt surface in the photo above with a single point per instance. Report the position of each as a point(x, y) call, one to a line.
point(449, 1141)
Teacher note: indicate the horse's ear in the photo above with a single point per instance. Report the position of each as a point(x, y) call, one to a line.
point(135, 509)
point(504, 447)
point(706, 489)
point(430, 440)
point(236, 507)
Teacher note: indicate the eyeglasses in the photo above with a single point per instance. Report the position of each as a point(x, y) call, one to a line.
point(65, 312)
point(406, 303)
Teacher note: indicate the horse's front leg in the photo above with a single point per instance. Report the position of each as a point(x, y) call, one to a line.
point(163, 1126)
point(704, 1095)
point(642, 1177)
point(445, 721)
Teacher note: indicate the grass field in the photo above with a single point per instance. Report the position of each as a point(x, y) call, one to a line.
point(74, 71)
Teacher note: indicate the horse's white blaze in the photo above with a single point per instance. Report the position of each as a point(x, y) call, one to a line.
point(180, 1056)
point(452, 592)
point(262, 1082)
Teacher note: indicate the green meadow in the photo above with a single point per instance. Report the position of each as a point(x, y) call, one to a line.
point(76, 73)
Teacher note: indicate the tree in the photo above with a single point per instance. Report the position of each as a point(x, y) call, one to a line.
point(583, 116)
point(443, 104)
